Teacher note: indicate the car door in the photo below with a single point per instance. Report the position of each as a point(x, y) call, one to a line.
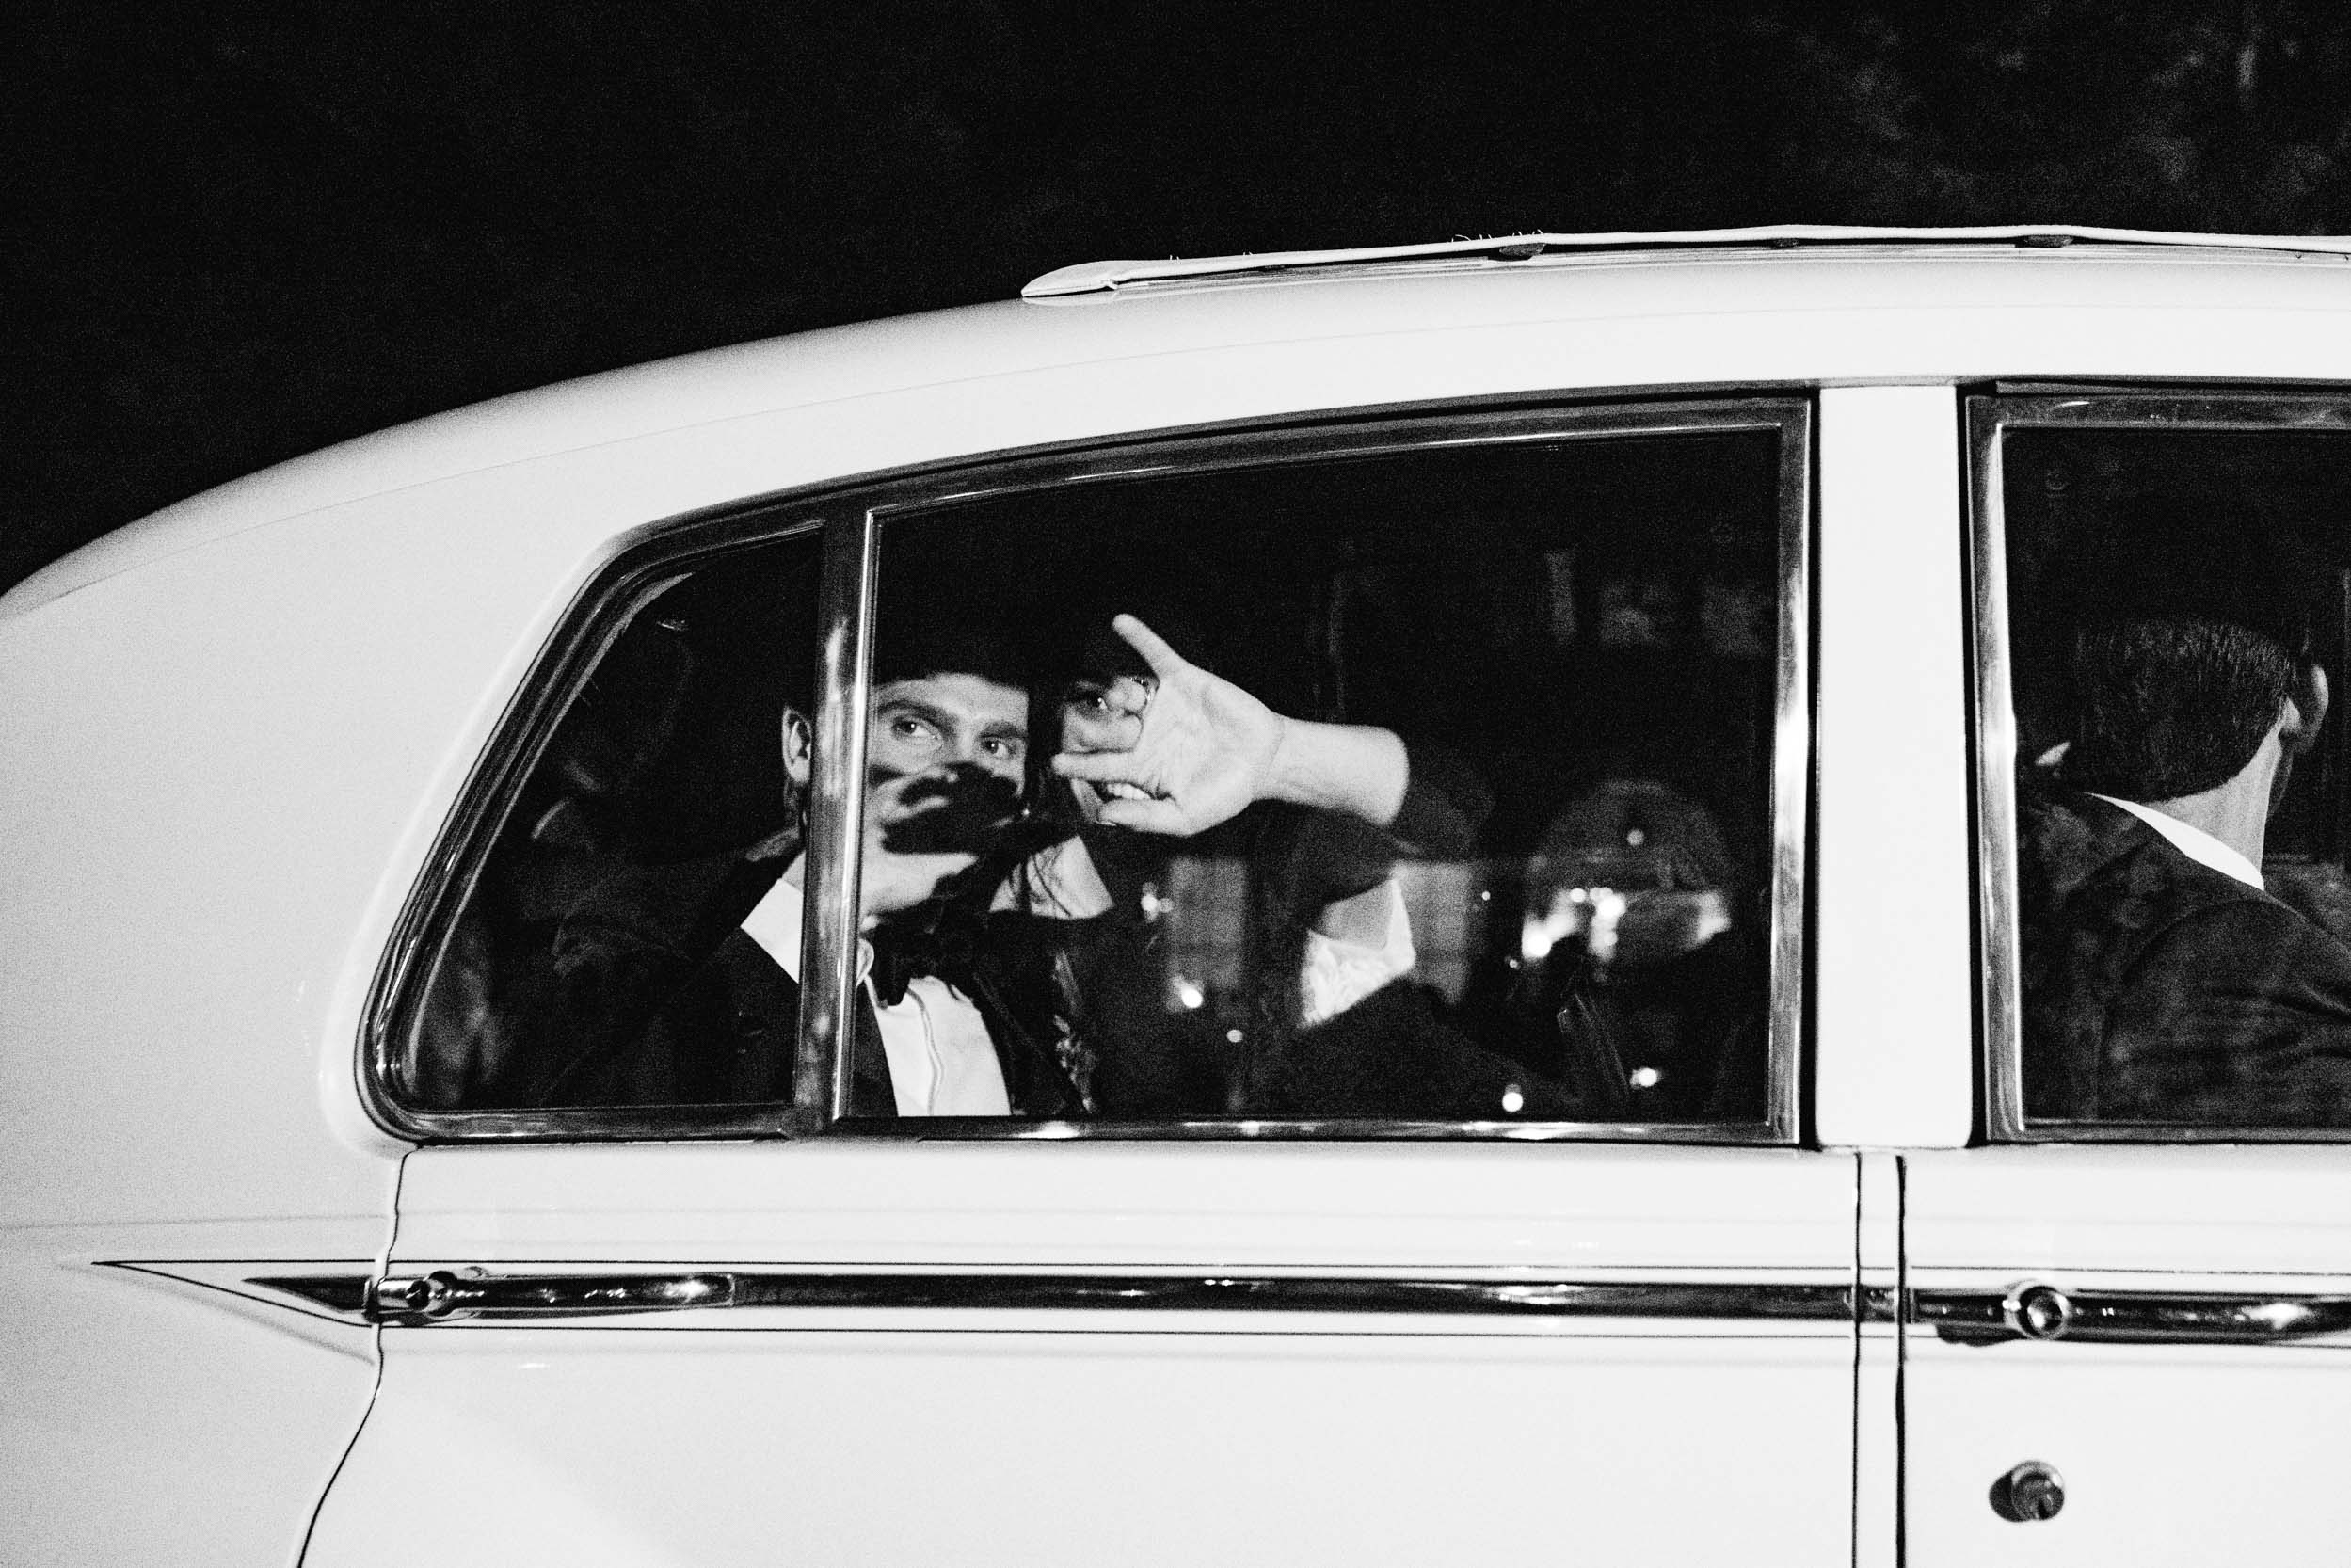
point(2128, 1338)
point(1570, 1277)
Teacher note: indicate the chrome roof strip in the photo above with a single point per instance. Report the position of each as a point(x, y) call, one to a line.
point(1108, 276)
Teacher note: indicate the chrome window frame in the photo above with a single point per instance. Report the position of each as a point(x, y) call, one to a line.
point(852, 515)
point(2000, 1013)
point(643, 564)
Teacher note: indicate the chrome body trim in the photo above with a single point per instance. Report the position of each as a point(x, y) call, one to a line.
point(346, 1295)
point(2032, 1311)
point(475, 1293)
point(1989, 419)
point(330, 1289)
point(453, 1295)
point(850, 516)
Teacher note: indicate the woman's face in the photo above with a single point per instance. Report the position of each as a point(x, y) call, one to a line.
point(1101, 713)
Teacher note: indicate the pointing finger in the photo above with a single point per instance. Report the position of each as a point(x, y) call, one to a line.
point(1165, 661)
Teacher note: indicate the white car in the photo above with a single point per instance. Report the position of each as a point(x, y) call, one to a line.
point(1622, 1148)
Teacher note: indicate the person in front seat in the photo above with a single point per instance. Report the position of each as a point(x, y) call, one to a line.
point(2161, 981)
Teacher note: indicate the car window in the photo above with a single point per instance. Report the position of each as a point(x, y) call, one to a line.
point(1426, 775)
point(2177, 582)
point(1562, 660)
point(585, 959)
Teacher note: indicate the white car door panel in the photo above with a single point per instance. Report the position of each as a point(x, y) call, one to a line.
point(1335, 1354)
point(2199, 1349)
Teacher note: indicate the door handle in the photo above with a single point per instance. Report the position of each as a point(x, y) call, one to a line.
point(446, 1294)
point(2030, 1493)
point(2033, 1310)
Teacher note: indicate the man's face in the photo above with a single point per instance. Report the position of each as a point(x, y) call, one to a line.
point(945, 758)
point(947, 723)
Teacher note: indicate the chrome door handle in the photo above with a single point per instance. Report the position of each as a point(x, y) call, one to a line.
point(2032, 1310)
point(445, 1294)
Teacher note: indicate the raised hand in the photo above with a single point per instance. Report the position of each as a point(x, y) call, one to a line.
point(923, 830)
point(1176, 753)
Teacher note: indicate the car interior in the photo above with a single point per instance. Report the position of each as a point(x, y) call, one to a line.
point(1577, 640)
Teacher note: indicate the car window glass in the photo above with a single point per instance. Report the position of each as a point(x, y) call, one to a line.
point(599, 956)
point(1569, 653)
point(2177, 603)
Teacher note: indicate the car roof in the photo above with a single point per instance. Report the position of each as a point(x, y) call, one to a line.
point(1106, 311)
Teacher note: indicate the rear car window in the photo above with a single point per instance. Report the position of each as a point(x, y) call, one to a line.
point(1577, 640)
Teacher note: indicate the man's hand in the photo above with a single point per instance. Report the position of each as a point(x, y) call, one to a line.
point(1177, 754)
point(921, 830)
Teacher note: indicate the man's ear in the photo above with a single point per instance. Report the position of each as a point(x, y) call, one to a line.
point(2309, 709)
point(799, 748)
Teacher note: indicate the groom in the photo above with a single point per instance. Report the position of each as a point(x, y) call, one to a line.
point(681, 985)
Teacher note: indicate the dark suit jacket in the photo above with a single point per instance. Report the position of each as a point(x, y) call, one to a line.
point(1388, 1056)
point(2159, 990)
point(659, 998)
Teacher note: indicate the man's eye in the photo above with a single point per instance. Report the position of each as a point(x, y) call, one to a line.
point(1010, 750)
point(911, 729)
point(1091, 704)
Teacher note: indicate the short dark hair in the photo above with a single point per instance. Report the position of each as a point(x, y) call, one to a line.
point(911, 640)
point(2171, 706)
point(2189, 618)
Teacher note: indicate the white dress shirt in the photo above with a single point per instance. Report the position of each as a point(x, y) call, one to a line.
point(1339, 974)
point(942, 1062)
point(2193, 842)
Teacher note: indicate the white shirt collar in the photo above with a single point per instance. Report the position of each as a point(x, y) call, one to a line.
point(942, 1060)
point(2193, 842)
point(775, 922)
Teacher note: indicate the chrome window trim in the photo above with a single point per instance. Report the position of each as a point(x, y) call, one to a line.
point(851, 515)
point(585, 633)
point(1989, 418)
point(851, 556)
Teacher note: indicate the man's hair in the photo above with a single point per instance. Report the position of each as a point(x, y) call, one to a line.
point(2171, 706)
point(2189, 622)
point(911, 640)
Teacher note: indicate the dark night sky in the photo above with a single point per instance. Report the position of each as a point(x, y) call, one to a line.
point(238, 233)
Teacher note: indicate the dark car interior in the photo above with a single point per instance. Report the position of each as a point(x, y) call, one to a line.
point(1578, 640)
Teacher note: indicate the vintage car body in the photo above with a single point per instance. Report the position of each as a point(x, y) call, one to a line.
point(237, 744)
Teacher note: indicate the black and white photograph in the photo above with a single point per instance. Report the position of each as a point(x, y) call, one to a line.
point(969, 782)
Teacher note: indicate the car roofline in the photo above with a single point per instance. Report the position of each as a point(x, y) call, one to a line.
point(1110, 277)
